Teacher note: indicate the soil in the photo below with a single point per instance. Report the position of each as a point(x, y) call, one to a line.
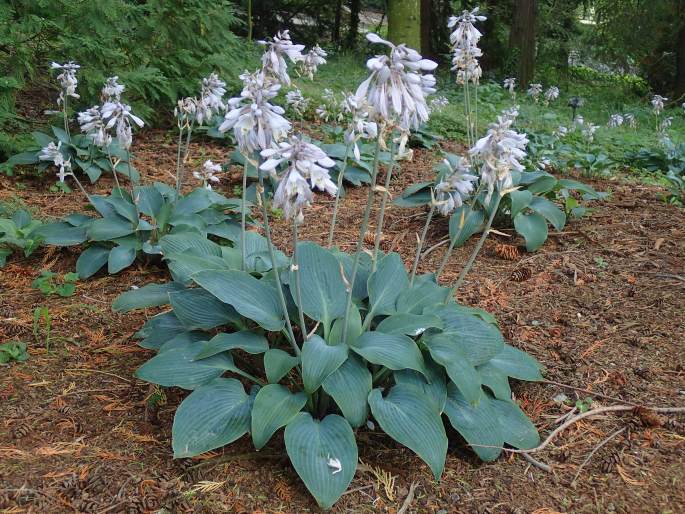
point(601, 305)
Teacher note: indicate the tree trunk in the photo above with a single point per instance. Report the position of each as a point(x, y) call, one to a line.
point(335, 36)
point(680, 62)
point(522, 39)
point(426, 28)
point(354, 23)
point(404, 22)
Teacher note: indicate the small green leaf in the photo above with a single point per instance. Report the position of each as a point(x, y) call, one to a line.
point(319, 360)
point(278, 363)
point(274, 407)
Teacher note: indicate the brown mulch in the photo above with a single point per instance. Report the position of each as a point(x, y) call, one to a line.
point(601, 305)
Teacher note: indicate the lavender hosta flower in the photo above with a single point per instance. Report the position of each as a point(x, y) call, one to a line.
point(510, 85)
point(658, 103)
point(312, 60)
point(185, 109)
point(589, 131)
point(454, 188)
point(396, 89)
point(211, 98)
point(534, 91)
point(67, 80)
point(273, 60)
point(551, 94)
point(511, 113)
point(359, 127)
point(465, 29)
point(52, 152)
point(500, 151)
point(464, 40)
point(119, 115)
point(438, 103)
point(615, 120)
point(665, 124)
point(112, 90)
point(561, 131)
point(297, 102)
point(256, 123)
point(630, 120)
point(206, 174)
point(93, 126)
point(307, 169)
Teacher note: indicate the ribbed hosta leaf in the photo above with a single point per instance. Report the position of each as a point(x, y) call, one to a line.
point(273, 408)
point(349, 386)
point(245, 340)
point(433, 386)
point(119, 258)
point(409, 324)
point(324, 454)
point(91, 260)
point(478, 340)
point(392, 351)
point(199, 309)
point(406, 416)
point(416, 299)
point(150, 295)
point(319, 360)
point(386, 284)
point(158, 330)
point(447, 353)
point(278, 364)
point(212, 416)
point(197, 244)
point(516, 364)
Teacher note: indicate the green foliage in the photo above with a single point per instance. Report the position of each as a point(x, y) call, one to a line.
point(18, 233)
point(410, 354)
point(13, 351)
point(50, 283)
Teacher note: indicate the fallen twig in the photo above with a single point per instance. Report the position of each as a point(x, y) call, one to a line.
point(88, 370)
point(596, 448)
point(537, 463)
point(408, 499)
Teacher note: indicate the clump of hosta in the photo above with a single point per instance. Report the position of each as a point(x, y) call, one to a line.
point(510, 85)
point(397, 86)
point(464, 39)
point(500, 152)
point(561, 131)
point(658, 104)
point(454, 187)
point(207, 174)
point(312, 60)
point(615, 120)
point(67, 80)
point(551, 94)
point(534, 91)
point(297, 102)
point(331, 109)
point(308, 168)
point(255, 122)
point(274, 59)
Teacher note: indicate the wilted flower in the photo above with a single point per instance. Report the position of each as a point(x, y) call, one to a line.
point(93, 126)
point(297, 101)
point(500, 152)
point(67, 79)
point(112, 90)
point(312, 60)
point(185, 109)
point(615, 120)
point(551, 94)
point(307, 162)
point(454, 187)
point(52, 152)
point(510, 85)
point(396, 89)
point(589, 131)
point(534, 91)
point(658, 103)
point(119, 115)
point(464, 40)
point(630, 120)
point(256, 123)
point(273, 60)
point(561, 131)
point(206, 173)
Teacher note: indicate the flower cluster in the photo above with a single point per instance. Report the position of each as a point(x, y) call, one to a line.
point(551, 94)
point(307, 169)
point(112, 90)
point(510, 85)
point(52, 152)
point(359, 127)
point(396, 89)
point(331, 108)
point(534, 91)
point(93, 126)
point(67, 80)
point(273, 60)
point(560, 132)
point(207, 173)
point(630, 120)
point(615, 120)
point(454, 187)
point(658, 103)
point(119, 116)
point(256, 123)
point(500, 151)
point(438, 103)
point(589, 131)
point(207, 106)
point(312, 60)
point(464, 39)
point(297, 102)
point(665, 124)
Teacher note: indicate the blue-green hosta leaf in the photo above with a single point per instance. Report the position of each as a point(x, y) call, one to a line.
point(517, 429)
point(150, 295)
point(517, 364)
point(158, 330)
point(406, 416)
point(420, 297)
point(119, 258)
point(183, 266)
point(150, 200)
point(226, 229)
point(274, 407)
point(106, 229)
point(101, 205)
point(199, 309)
point(349, 386)
point(478, 340)
point(495, 380)
point(322, 289)
point(452, 356)
point(30, 157)
point(175, 367)
point(257, 254)
point(188, 223)
point(354, 327)
point(252, 298)
point(212, 416)
point(76, 219)
point(545, 182)
point(189, 242)
point(184, 339)
point(433, 386)
point(91, 260)
point(392, 351)
point(550, 211)
point(464, 222)
point(245, 340)
point(520, 199)
point(415, 195)
point(61, 234)
point(409, 324)
point(324, 454)
point(533, 228)
point(278, 364)
point(319, 360)
point(123, 207)
point(386, 284)
point(359, 291)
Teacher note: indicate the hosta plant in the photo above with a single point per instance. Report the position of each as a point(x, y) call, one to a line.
point(18, 232)
point(126, 229)
point(409, 358)
point(530, 208)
